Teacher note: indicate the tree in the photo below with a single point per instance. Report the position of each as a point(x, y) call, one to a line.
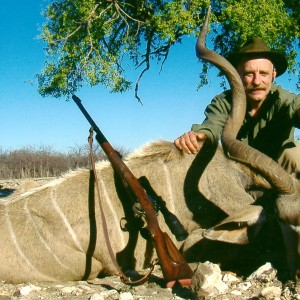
point(91, 41)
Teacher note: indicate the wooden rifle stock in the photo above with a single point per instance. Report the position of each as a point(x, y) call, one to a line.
point(173, 265)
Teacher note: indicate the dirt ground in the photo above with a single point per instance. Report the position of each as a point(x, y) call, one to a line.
point(112, 288)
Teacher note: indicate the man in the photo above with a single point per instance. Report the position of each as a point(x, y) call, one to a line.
point(272, 112)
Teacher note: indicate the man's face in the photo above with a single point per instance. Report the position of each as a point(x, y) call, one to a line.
point(257, 76)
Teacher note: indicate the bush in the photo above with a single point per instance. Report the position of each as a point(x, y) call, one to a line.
point(32, 162)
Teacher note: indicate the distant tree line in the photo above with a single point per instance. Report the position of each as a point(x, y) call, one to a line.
point(43, 161)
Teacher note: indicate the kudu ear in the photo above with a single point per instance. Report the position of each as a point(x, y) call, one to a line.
point(239, 227)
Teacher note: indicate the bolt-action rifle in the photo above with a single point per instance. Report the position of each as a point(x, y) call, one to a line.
point(174, 268)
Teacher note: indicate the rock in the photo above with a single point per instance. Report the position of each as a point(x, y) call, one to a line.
point(69, 290)
point(244, 286)
point(27, 289)
point(126, 296)
point(207, 281)
point(84, 288)
point(230, 278)
point(236, 293)
point(110, 294)
point(265, 273)
point(271, 292)
point(97, 296)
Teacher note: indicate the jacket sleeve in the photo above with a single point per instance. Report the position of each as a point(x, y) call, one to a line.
point(216, 114)
point(290, 102)
point(297, 117)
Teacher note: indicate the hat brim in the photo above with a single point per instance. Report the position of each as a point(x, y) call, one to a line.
point(278, 59)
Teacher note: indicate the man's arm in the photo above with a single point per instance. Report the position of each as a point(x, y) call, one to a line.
point(216, 114)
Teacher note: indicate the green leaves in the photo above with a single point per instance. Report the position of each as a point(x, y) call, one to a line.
point(91, 42)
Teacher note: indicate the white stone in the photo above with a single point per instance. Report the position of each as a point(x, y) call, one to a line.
point(112, 294)
point(25, 290)
point(229, 278)
point(97, 296)
point(244, 286)
point(264, 271)
point(84, 287)
point(271, 292)
point(207, 280)
point(126, 296)
point(236, 293)
point(69, 289)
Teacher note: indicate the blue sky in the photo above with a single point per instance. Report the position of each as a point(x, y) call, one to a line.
point(170, 100)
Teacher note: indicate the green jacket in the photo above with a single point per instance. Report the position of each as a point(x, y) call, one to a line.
point(269, 132)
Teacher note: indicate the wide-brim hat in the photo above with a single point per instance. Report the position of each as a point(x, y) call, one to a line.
point(257, 48)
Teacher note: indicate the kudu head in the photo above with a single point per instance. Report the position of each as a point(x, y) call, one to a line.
point(286, 187)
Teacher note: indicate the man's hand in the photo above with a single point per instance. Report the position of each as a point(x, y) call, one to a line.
point(190, 141)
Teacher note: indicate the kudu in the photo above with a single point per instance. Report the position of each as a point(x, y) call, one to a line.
point(287, 201)
point(53, 232)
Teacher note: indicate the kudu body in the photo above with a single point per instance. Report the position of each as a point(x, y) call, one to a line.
point(53, 232)
point(287, 203)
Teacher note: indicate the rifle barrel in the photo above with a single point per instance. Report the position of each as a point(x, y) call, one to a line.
point(89, 118)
